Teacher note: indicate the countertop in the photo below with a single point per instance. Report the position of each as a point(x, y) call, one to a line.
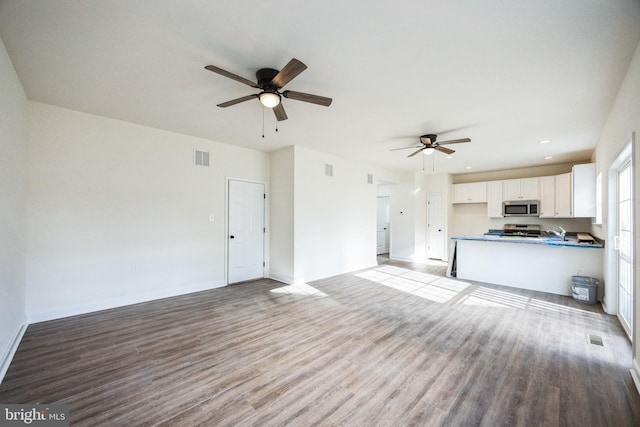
point(569, 242)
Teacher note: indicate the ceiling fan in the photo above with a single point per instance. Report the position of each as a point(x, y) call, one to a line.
point(270, 82)
point(429, 145)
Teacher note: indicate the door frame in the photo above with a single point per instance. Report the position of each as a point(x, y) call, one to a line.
point(265, 239)
point(611, 292)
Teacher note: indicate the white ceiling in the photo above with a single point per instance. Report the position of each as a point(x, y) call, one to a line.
point(507, 74)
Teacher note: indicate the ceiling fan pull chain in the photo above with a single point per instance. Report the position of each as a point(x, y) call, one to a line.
point(263, 122)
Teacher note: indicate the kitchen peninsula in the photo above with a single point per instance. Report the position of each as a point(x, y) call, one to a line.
point(543, 263)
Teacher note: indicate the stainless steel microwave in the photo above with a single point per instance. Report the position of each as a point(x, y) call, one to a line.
point(521, 208)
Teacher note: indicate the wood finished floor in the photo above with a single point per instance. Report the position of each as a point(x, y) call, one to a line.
point(394, 345)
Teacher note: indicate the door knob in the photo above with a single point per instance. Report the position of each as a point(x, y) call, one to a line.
point(232, 237)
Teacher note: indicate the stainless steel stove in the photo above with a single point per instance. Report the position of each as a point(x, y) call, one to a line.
point(517, 230)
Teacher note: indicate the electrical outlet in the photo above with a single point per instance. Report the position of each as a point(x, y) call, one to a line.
point(134, 268)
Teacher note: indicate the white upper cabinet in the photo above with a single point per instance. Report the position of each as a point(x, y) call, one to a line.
point(494, 199)
point(522, 189)
point(547, 197)
point(563, 197)
point(556, 199)
point(568, 195)
point(584, 190)
point(472, 192)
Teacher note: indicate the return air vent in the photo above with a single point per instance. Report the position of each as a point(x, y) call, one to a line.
point(201, 158)
point(328, 169)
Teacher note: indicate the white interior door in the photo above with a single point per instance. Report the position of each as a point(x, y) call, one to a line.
point(382, 227)
point(624, 245)
point(245, 231)
point(435, 227)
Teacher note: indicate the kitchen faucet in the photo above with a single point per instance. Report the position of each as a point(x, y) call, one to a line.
point(560, 233)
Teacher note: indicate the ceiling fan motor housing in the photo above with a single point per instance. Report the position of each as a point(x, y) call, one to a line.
point(264, 76)
point(431, 137)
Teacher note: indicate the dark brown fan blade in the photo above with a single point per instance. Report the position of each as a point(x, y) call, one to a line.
point(307, 97)
point(231, 75)
point(455, 141)
point(278, 110)
point(288, 73)
point(416, 152)
point(444, 150)
point(237, 101)
point(404, 148)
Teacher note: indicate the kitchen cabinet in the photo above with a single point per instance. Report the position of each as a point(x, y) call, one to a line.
point(584, 190)
point(494, 199)
point(521, 189)
point(547, 196)
point(555, 196)
point(471, 192)
point(563, 196)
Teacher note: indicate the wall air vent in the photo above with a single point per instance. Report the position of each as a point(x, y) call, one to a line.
point(369, 178)
point(328, 169)
point(201, 158)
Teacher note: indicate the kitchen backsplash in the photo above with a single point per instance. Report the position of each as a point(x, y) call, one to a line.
point(472, 220)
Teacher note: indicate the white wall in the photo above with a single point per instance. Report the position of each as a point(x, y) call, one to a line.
point(623, 120)
point(117, 213)
point(281, 264)
point(13, 146)
point(335, 217)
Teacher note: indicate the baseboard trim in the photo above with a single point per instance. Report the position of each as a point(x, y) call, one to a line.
point(407, 259)
point(286, 279)
point(11, 351)
point(635, 373)
point(44, 316)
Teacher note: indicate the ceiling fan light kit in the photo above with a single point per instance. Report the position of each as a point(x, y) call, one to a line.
point(269, 99)
point(270, 81)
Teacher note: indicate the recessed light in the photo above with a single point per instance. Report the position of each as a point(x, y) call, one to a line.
point(468, 167)
point(449, 157)
point(548, 157)
point(544, 141)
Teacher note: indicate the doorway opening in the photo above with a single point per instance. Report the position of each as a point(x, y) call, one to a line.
point(383, 231)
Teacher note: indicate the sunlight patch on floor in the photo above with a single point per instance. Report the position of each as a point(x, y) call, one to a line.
point(424, 285)
point(421, 277)
point(374, 275)
point(435, 293)
point(495, 298)
point(390, 269)
point(302, 289)
point(444, 289)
